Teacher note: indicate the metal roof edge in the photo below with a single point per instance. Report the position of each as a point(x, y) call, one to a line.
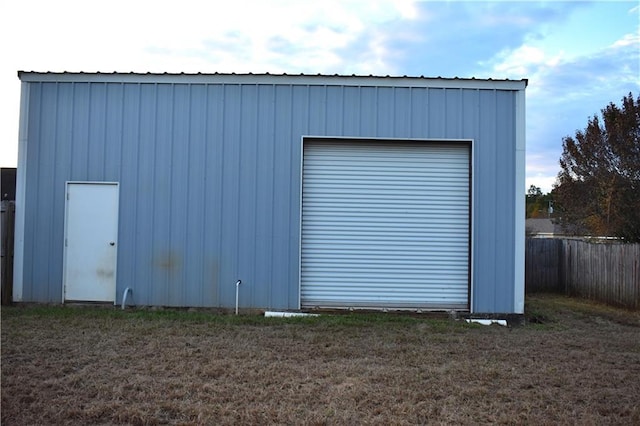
point(267, 78)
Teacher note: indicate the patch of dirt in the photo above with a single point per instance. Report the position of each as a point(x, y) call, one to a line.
point(575, 362)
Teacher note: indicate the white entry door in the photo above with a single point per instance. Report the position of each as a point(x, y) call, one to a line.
point(91, 241)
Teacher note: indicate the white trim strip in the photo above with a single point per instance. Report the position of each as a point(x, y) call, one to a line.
point(293, 79)
point(520, 190)
point(21, 194)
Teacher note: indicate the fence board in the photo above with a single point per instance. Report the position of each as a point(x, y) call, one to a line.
point(608, 273)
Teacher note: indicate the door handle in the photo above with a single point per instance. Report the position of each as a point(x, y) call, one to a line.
point(112, 243)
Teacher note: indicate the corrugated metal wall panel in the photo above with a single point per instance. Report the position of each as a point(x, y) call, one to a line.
point(210, 178)
point(385, 225)
point(506, 219)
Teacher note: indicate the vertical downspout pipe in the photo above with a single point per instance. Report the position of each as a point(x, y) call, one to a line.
point(237, 291)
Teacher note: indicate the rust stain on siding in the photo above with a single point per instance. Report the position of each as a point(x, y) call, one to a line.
point(169, 261)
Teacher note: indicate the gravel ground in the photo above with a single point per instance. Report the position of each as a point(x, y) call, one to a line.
point(574, 362)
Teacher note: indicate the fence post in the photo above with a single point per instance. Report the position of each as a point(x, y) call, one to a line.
point(562, 284)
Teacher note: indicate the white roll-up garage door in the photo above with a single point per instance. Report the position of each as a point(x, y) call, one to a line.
point(385, 225)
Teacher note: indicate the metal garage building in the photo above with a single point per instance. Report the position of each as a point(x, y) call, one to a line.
point(315, 191)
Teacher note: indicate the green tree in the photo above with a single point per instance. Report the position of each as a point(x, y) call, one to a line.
point(598, 187)
point(537, 203)
point(534, 191)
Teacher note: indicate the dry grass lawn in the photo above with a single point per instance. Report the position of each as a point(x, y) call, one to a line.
point(574, 363)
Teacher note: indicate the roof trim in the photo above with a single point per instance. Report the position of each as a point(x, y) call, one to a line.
point(298, 79)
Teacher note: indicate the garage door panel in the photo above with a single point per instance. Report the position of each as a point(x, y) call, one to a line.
point(385, 225)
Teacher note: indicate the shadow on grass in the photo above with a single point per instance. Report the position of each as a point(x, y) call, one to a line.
point(549, 309)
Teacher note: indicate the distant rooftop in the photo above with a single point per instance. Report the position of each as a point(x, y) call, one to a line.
point(545, 227)
point(542, 226)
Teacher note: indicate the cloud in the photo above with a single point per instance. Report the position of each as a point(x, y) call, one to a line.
point(628, 40)
point(564, 93)
point(525, 60)
point(500, 39)
point(567, 85)
point(160, 34)
point(316, 37)
point(190, 36)
point(574, 86)
point(462, 38)
point(542, 180)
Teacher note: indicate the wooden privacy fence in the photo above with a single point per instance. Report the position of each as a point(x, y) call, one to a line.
point(7, 220)
point(608, 273)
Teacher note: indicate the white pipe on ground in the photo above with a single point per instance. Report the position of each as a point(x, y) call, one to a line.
point(487, 321)
point(237, 291)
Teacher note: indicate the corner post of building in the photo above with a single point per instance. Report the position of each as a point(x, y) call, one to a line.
point(520, 190)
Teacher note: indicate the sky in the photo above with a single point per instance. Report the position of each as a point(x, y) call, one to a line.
point(577, 56)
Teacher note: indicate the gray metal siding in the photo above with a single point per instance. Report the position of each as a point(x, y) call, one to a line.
point(494, 218)
point(210, 179)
